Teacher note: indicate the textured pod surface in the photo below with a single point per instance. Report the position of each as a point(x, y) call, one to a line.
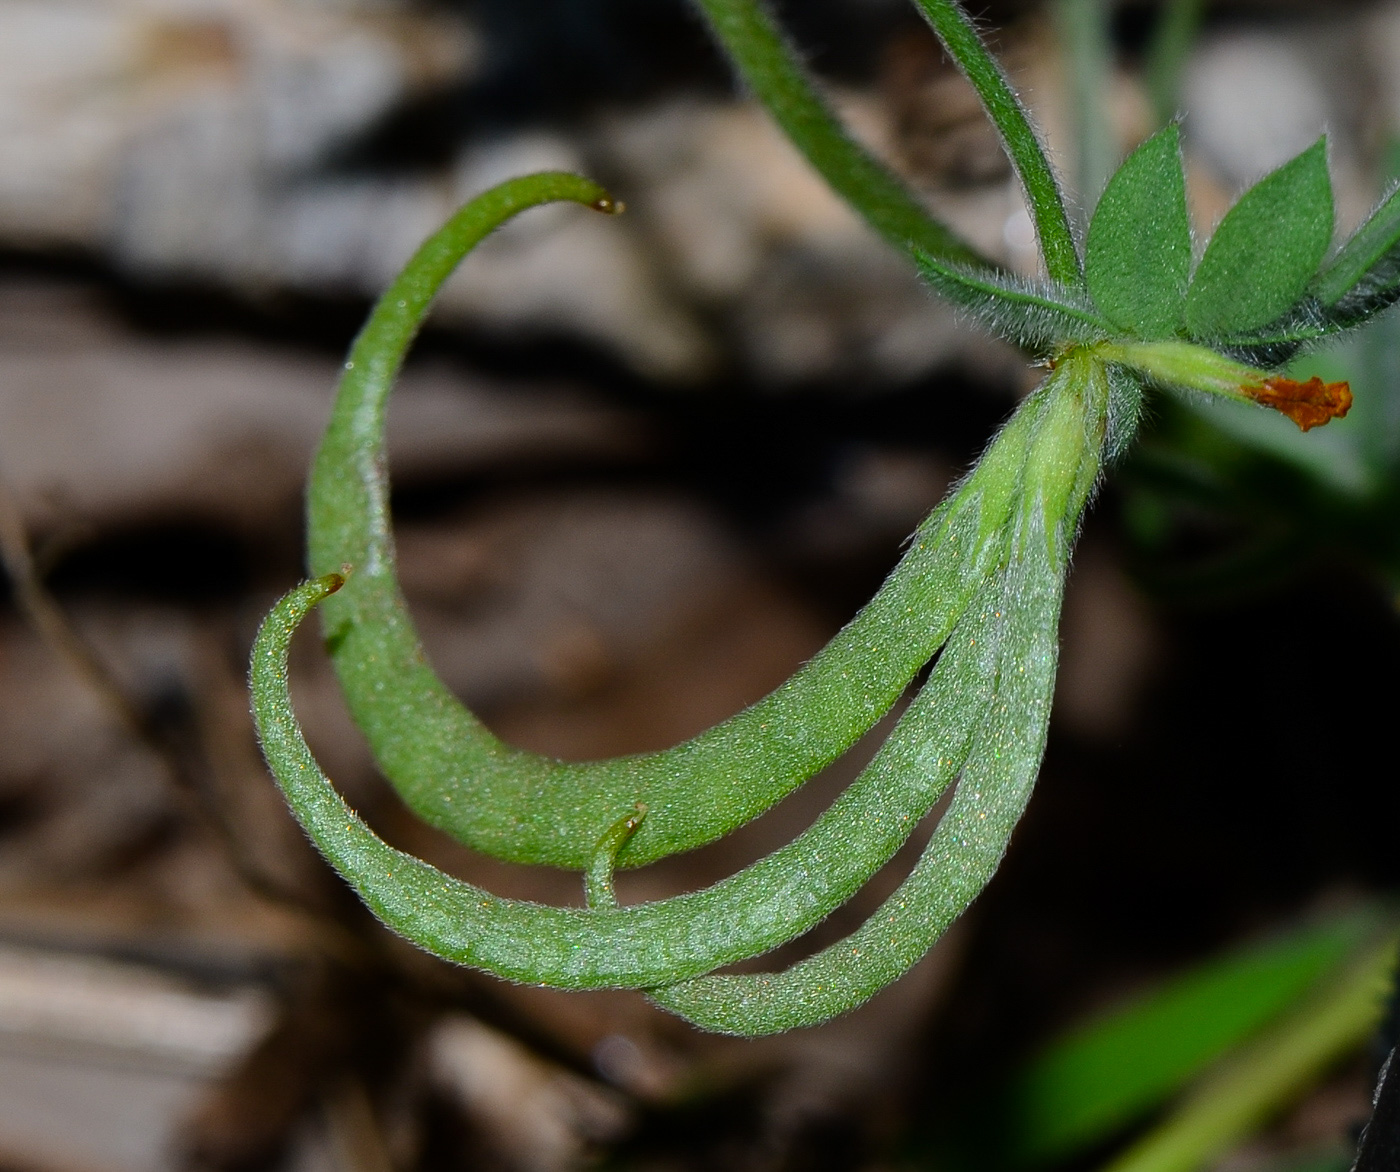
point(983, 711)
point(519, 806)
point(1017, 625)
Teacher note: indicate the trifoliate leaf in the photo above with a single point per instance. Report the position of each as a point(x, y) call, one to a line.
point(1265, 251)
point(1034, 314)
point(1138, 257)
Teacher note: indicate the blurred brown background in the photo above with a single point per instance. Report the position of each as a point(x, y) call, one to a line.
point(644, 467)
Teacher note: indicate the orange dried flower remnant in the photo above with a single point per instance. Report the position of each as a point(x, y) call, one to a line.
point(1309, 404)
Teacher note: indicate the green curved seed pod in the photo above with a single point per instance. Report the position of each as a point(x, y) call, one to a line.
point(519, 806)
point(996, 782)
point(762, 906)
point(753, 911)
point(959, 860)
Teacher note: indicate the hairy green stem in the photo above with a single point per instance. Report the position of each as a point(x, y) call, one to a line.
point(1042, 189)
point(771, 68)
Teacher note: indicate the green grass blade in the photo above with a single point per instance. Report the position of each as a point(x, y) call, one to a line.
point(1083, 31)
point(1252, 1086)
point(1104, 1075)
point(1171, 43)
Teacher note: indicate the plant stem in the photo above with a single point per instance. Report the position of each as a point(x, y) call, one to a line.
point(770, 67)
point(1271, 1073)
point(1047, 206)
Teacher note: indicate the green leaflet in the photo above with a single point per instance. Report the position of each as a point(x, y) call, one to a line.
point(519, 806)
point(1034, 314)
point(1137, 259)
point(1265, 251)
point(1364, 276)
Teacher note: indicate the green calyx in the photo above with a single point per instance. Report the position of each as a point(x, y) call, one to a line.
point(1185, 365)
point(976, 595)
